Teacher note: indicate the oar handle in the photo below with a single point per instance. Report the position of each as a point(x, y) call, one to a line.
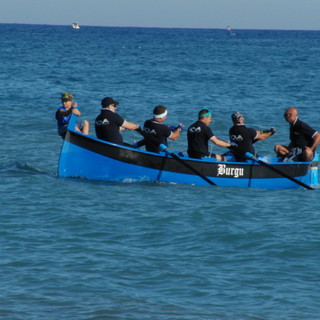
point(250, 155)
point(163, 147)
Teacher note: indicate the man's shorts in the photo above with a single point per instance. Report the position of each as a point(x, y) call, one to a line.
point(295, 154)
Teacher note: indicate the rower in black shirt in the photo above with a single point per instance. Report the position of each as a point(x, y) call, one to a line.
point(108, 122)
point(199, 134)
point(244, 137)
point(159, 130)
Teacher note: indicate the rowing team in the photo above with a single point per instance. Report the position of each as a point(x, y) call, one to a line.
point(108, 125)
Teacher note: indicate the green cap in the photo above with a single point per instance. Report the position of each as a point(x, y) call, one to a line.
point(67, 96)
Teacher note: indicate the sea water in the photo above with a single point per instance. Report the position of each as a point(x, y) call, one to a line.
point(77, 249)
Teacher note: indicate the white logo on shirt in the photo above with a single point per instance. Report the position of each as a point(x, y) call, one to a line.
point(236, 138)
point(194, 129)
point(150, 131)
point(103, 122)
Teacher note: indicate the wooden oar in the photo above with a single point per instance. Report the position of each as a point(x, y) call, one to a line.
point(164, 148)
point(249, 155)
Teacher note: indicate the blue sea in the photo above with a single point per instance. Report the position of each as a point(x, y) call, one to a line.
point(87, 250)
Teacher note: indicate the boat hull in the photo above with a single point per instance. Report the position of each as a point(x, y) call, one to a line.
point(87, 157)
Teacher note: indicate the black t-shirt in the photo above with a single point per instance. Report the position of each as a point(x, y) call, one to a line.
point(160, 131)
point(243, 137)
point(198, 136)
point(108, 125)
point(301, 134)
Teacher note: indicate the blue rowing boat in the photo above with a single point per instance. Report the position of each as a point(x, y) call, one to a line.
point(87, 157)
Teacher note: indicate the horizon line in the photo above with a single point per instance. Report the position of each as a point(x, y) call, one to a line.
point(144, 27)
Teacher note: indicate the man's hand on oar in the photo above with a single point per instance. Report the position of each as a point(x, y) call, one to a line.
point(164, 148)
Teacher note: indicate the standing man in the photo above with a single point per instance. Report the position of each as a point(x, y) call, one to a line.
point(108, 122)
point(159, 130)
point(244, 137)
point(303, 139)
point(199, 133)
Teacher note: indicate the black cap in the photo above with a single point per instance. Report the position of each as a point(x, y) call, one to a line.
point(107, 101)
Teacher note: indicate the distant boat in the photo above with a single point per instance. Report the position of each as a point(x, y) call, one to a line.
point(230, 31)
point(75, 25)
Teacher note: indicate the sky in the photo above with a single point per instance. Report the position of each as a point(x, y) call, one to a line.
point(238, 14)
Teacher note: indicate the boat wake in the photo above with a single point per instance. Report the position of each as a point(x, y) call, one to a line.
point(17, 168)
